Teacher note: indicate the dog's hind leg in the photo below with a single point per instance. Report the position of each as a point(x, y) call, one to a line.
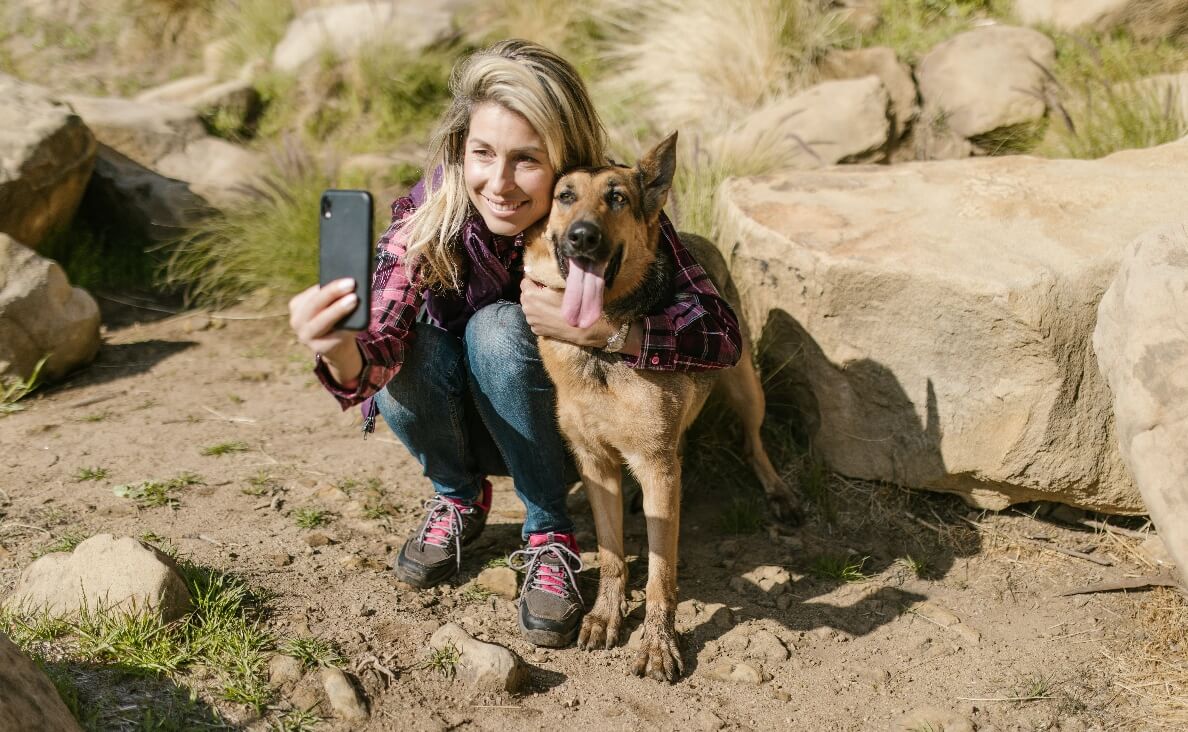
point(602, 475)
point(660, 475)
point(744, 393)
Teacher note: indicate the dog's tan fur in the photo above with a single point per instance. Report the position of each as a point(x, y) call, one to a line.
point(613, 414)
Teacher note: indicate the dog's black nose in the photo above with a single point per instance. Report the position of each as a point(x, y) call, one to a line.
point(583, 238)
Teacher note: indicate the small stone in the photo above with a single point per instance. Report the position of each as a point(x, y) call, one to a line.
point(969, 634)
point(765, 645)
point(638, 595)
point(718, 616)
point(500, 580)
point(936, 614)
point(636, 637)
point(771, 579)
point(351, 561)
point(344, 698)
point(823, 632)
point(736, 641)
point(195, 323)
point(739, 673)
point(284, 670)
point(280, 560)
point(780, 695)
point(783, 602)
point(316, 539)
point(487, 666)
point(707, 721)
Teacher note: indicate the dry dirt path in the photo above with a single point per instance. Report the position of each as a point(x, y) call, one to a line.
point(859, 654)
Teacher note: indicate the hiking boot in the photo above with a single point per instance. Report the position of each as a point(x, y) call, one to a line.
point(434, 554)
point(550, 605)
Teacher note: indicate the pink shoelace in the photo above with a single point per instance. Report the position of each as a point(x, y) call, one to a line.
point(555, 578)
point(444, 523)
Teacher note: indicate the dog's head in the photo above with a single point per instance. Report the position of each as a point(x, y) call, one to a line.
point(603, 229)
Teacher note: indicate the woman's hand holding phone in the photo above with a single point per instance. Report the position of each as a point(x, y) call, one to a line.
point(313, 315)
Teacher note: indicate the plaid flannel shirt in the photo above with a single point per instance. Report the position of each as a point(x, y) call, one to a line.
point(697, 331)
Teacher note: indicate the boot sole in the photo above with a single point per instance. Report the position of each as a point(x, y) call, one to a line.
point(549, 638)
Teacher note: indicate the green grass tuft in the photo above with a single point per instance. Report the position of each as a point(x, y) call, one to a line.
point(84, 474)
point(154, 493)
point(311, 518)
point(224, 448)
point(476, 593)
point(743, 515)
point(312, 651)
point(444, 660)
point(13, 390)
point(64, 543)
point(843, 569)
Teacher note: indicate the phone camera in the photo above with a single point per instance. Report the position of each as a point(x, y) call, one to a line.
point(326, 206)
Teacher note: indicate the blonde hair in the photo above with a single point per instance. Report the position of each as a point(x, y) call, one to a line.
point(525, 78)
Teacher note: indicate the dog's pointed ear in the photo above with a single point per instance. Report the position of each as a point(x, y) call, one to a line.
point(656, 170)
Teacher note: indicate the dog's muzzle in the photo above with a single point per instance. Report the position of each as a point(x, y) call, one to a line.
point(584, 240)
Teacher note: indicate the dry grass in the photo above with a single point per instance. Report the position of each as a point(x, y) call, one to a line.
point(697, 65)
point(1153, 672)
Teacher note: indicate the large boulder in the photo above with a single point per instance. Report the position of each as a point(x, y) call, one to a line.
point(983, 88)
point(144, 131)
point(933, 319)
point(895, 75)
point(141, 203)
point(41, 314)
point(1147, 19)
point(217, 170)
point(46, 156)
point(345, 30)
point(831, 122)
point(28, 700)
point(1141, 341)
point(103, 573)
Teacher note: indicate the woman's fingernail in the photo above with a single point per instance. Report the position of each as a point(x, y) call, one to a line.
point(346, 285)
point(349, 301)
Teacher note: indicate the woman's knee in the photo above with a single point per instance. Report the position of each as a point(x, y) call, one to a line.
point(498, 341)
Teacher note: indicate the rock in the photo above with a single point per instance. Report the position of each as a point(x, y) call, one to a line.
point(46, 157)
point(991, 340)
point(217, 170)
point(771, 579)
point(831, 122)
point(895, 76)
point(1146, 19)
point(345, 30)
point(284, 671)
point(500, 580)
point(1141, 341)
point(982, 84)
point(317, 539)
point(707, 721)
point(42, 315)
point(863, 16)
point(141, 202)
point(28, 700)
point(970, 635)
point(931, 718)
point(214, 100)
point(143, 131)
point(1153, 550)
point(936, 614)
point(486, 666)
point(765, 645)
point(105, 572)
point(739, 673)
point(344, 698)
point(736, 641)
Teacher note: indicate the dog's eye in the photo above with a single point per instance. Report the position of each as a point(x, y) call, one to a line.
point(616, 198)
point(566, 196)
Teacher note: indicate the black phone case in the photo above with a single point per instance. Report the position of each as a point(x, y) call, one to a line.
point(344, 248)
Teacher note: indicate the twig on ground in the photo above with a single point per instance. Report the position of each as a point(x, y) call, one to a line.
point(1001, 698)
point(213, 316)
point(14, 525)
point(225, 418)
point(1135, 583)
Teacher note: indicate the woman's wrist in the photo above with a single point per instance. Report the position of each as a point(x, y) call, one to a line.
point(345, 364)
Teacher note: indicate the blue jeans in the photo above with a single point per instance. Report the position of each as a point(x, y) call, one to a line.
point(483, 405)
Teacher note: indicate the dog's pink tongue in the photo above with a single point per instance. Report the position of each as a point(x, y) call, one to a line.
point(582, 305)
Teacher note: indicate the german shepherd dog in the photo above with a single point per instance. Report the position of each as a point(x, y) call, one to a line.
point(602, 237)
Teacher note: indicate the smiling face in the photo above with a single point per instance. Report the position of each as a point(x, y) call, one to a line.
point(507, 171)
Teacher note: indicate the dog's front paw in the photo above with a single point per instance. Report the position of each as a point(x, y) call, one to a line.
point(786, 508)
point(599, 630)
point(659, 654)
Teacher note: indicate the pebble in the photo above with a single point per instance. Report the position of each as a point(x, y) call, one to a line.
point(317, 538)
point(772, 579)
point(937, 614)
point(707, 721)
point(280, 560)
point(971, 635)
point(500, 580)
point(487, 666)
point(823, 632)
point(739, 673)
point(284, 670)
point(344, 698)
point(765, 645)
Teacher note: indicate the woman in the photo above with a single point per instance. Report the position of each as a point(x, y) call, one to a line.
point(450, 355)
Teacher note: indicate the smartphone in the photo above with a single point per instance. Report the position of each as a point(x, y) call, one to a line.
point(344, 248)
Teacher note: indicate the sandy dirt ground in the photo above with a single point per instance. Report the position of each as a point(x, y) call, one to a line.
point(971, 626)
